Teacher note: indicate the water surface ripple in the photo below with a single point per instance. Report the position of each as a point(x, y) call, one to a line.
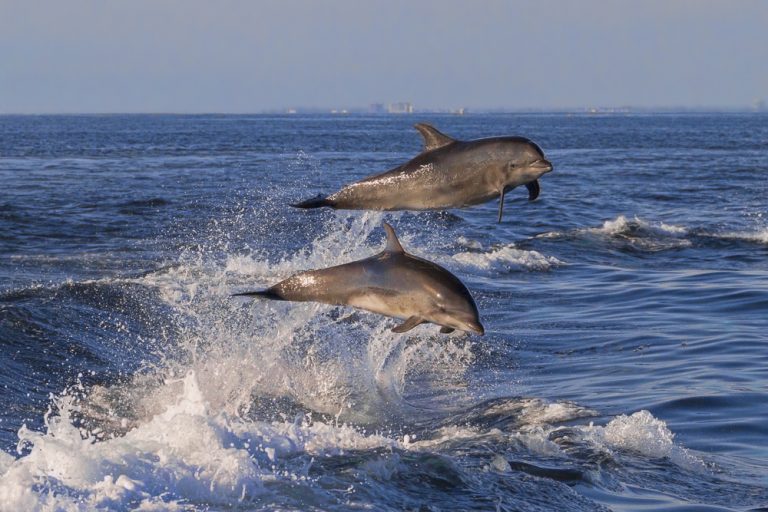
point(624, 365)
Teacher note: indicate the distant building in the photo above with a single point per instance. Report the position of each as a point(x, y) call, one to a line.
point(402, 107)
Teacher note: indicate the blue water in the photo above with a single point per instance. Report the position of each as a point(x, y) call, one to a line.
point(624, 366)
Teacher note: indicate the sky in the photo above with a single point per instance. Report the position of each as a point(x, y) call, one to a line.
point(98, 56)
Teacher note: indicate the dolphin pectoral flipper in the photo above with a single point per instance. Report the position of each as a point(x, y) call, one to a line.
point(409, 324)
point(446, 330)
point(433, 138)
point(501, 204)
point(533, 189)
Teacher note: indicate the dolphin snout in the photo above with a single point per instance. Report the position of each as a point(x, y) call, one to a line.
point(476, 327)
point(544, 165)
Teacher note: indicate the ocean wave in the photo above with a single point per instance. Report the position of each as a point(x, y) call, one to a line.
point(187, 453)
point(328, 359)
point(505, 259)
point(323, 357)
point(552, 429)
point(633, 232)
point(524, 413)
point(641, 433)
point(657, 235)
point(623, 439)
point(162, 440)
point(191, 452)
point(538, 412)
point(758, 236)
point(637, 226)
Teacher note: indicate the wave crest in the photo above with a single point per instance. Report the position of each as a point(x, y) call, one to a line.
point(506, 259)
point(185, 453)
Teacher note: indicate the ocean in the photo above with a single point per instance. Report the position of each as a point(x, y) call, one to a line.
point(624, 365)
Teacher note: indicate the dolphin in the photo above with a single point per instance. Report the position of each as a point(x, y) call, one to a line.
point(448, 173)
point(392, 283)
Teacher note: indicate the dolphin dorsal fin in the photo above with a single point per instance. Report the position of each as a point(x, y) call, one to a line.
point(393, 244)
point(433, 138)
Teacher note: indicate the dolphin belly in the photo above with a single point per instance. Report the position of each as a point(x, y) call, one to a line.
point(388, 302)
point(376, 303)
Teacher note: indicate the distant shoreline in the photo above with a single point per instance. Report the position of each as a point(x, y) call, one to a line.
point(417, 113)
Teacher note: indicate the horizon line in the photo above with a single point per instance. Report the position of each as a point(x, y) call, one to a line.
point(290, 111)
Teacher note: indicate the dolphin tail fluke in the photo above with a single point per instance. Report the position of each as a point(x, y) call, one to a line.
point(264, 294)
point(316, 202)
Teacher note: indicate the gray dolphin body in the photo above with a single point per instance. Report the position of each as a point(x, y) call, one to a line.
point(447, 174)
point(392, 283)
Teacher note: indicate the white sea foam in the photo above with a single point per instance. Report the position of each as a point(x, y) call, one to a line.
point(469, 243)
point(506, 258)
point(671, 234)
point(5, 462)
point(188, 452)
point(536, 427)
point(536, 439)
point(650, 235)
point(637, 232)
point(190, 431)
point(623, 226)
point(193, 421)
point(340, 243)
point(538, 412)
point(641, 433)
point(450, 434)
point(759, 236)
point(534, 419)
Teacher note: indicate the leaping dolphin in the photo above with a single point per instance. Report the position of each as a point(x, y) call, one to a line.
point(448, 173)
point(392, 283)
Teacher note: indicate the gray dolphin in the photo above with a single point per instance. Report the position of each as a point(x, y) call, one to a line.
point(448, 173)
point(392, 283)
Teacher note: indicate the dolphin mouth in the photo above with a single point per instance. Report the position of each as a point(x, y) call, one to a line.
point(477, 328)
point(542, 165)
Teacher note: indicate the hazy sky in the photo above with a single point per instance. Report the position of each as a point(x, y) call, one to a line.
point(247, 56)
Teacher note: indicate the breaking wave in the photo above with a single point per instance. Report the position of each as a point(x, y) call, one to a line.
point(506, 258)
point(651, 236)
point(253, 395)
point(205, 422)
point(191, 452)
